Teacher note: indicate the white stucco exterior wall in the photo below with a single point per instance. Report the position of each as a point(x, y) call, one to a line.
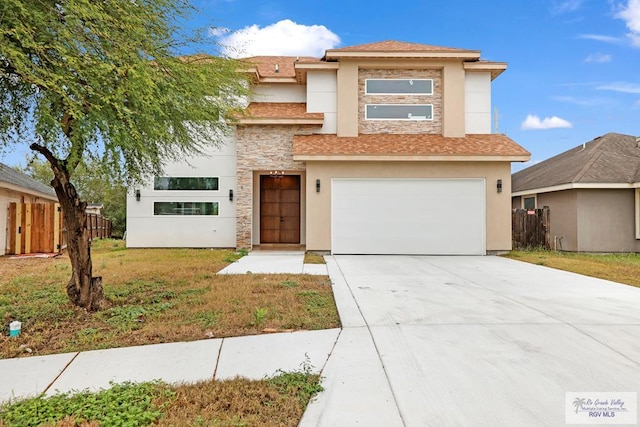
point(477, 86)
point(278, 93)
point(144, 229)
point(322, 97)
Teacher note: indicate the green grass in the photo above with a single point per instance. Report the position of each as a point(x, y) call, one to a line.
point(125, 404)
point(622, 268)
point(279, 400)
point(153, 296)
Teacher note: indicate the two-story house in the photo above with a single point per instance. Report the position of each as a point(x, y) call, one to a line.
point(382, 148)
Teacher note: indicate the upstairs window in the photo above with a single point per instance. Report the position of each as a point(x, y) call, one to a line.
point(399, 87)
point(185, 183)
point(399, 112)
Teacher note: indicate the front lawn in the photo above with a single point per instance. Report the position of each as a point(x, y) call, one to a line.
point(153, 296)
point(622, 268)
point(280, 401)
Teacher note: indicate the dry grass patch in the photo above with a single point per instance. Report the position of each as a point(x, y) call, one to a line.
point(622, 268)
point(313, 258)
point(154, 296)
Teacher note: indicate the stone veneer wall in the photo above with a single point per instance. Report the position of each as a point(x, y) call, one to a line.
point(400, 126)
point(260, 148)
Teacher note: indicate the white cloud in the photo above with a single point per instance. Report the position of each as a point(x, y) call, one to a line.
point(583, 102)
point(565, 6)
point(285, 38)
point(623, 87)
point(598, 58)
point(600, 38)
point(218, 31)
point(631, 15)
point(534, 122)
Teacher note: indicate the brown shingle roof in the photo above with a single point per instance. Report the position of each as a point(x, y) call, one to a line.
point(612, 158)
point(407, 145)
point(396, 46)
point(277, 110)
point(266, 65)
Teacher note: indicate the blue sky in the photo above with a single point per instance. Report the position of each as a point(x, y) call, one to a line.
point(573, 65)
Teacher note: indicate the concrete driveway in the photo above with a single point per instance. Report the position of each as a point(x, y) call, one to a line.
point(482, 341)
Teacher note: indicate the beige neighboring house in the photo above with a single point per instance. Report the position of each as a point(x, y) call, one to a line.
point(381, 148)
point(94, 208)
point(593, 193)
point(16, 187)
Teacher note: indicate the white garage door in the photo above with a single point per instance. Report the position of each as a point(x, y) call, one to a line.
point(408, 216)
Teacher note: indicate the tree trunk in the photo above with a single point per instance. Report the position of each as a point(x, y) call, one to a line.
point(83, 289)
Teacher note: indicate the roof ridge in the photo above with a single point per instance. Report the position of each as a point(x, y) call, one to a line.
point(397, 44)
point(595, 156)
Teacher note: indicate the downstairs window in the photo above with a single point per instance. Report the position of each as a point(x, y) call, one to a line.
point(185, 208)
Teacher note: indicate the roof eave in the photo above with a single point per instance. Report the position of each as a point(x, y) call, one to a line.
point(303, 68)
point(278, 121)
point(409, 157)
point(578, 185)
point(287, 80)
point(316, 65)
point(495, 68)
point(26, 190)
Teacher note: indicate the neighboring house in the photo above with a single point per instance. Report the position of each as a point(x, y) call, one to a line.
point(16, 187)
point(592, 192)
point(94, 208)
point(381, 148)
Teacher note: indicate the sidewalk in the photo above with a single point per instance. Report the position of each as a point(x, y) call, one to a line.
point(254, 357)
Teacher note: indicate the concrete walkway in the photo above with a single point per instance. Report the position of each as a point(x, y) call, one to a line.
point(275, 263)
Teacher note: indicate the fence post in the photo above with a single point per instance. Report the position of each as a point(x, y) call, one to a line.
point(546, 225)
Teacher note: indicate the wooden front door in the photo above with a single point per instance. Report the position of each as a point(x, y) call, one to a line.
point(280, 209)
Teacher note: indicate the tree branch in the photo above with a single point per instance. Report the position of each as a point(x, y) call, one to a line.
point(56, 163)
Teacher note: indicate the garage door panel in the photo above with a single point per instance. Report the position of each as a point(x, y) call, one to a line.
point(412, 216)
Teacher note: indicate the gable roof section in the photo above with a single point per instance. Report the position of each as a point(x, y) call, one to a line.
point(265, 66)
point(398, 49)
point(21, 182)
point(279, 113)
point(609, 159)
point(475, 147)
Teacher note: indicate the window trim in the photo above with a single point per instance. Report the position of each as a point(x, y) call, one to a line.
point(366, 88)
point(185, 189)
point(397, 119)
point(529, 196)
point(153, 209)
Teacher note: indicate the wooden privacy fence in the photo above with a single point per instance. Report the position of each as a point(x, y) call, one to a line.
point(99, 226)
point(38, 228)
point(34, 228)
point(531, 228)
